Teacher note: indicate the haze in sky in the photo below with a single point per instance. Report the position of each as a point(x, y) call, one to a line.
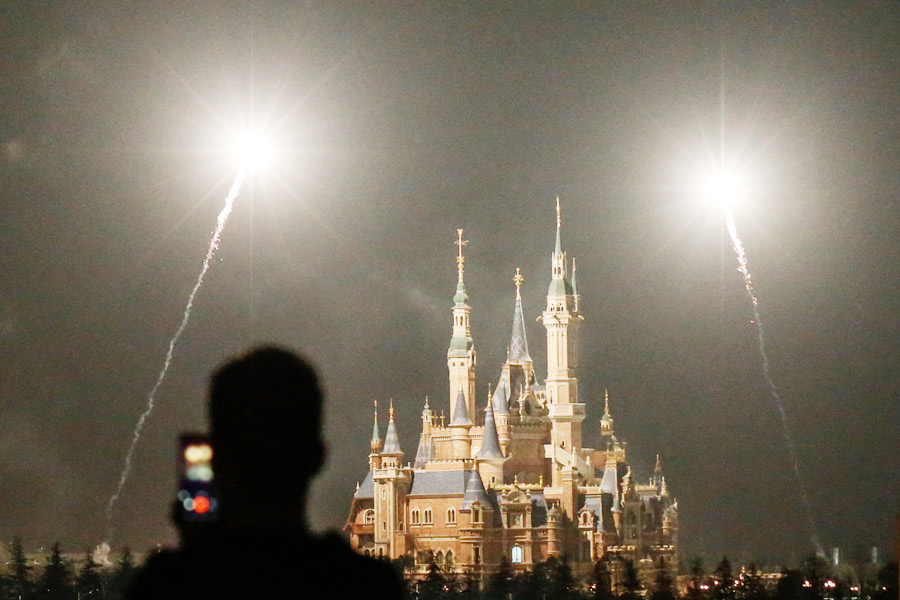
point(398, 124)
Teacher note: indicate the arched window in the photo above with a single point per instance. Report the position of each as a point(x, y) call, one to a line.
point(451, 516)
point(428, 517)
point(517, 555)
point(414, 516)
point(439, 557)
point(381, 552)
point(369, 517)
point(448, 560)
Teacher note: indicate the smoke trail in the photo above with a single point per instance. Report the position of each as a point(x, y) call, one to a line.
point(744, 269)
point(211, 250)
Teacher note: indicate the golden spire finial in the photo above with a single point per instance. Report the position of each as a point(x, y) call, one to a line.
point(558, 215)
point(460, 259)
point(606, 401)
point(391, 410)
point(376, 410)
point(518, 279)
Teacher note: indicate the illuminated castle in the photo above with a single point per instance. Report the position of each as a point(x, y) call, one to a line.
point(512, 478)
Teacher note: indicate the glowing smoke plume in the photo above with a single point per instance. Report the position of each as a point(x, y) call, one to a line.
point(210, 252)
point(744, 269)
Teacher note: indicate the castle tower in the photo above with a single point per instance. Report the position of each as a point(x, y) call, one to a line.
point(561, 320)
point(391, 483)
point(461, 354)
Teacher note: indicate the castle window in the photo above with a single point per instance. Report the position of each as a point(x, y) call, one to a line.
point(517, 555)
point(383, 494)
point(369, 517)
point(428, 518)
point(477, 556)
point(414, 517)
point(451, 516)
point(384, 525)
point(448, 560)
point(515, 520)
point(439, 557)
point(476, 515)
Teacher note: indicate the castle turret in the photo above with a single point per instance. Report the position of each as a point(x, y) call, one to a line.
point(561, 320)
point(490, 457)
point(391, 484)
point(424, 451)
point(606, 421)
point(460, 424)
point(461, 356)
point(375, 443)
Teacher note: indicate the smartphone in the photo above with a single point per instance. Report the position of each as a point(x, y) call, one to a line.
point(198, 501)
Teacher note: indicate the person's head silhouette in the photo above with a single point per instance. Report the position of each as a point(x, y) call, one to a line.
point(265, 411)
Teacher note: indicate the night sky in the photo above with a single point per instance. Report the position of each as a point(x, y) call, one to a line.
point(398, 124)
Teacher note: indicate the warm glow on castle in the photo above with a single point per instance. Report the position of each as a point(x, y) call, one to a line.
point(513, 479)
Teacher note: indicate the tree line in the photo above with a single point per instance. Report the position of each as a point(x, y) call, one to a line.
point(57, 579)
point(615, 578)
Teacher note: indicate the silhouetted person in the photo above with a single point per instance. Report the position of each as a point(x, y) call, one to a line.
point(265, 412)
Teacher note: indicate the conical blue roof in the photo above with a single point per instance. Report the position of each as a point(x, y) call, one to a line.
point(461, 411)
point(391, 441)
point(423, 452)
point(474, 491)
point(490, 443)
point(500, 399)
point(610, 482)
point(518, 344)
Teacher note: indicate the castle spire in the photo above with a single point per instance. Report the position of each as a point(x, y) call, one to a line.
point(606, 421)
point(376, 437)
point(490, 442)
point(460, 259)
point(461, 411)
point(461, 356)
point(558, 227)
point(518, 345)
point(575, 284)
point(391, 440)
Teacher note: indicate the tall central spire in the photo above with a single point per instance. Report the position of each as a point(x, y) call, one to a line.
point(461, 354)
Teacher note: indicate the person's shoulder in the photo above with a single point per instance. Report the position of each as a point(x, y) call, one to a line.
point(157, 575)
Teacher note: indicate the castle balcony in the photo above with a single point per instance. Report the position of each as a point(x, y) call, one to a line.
point(364, 529)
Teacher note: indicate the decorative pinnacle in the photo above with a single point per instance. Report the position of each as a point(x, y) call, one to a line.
point(460, 259)
point(391, 410)
point(518, 279)
point(606, 401)
point(558, 215)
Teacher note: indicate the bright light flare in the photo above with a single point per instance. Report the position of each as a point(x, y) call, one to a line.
point(723, 189)
point(252, 150)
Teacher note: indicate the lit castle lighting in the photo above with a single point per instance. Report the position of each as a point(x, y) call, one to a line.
point(512, 479)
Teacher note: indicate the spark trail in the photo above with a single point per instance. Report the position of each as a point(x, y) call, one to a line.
point(210, 252)
point(744, 269)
